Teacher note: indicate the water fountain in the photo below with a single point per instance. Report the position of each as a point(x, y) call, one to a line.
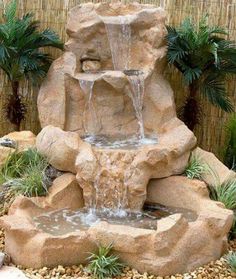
point(109, 119)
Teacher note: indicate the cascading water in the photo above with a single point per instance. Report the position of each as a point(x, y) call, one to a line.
point(90, 119)
point(136, 79)
point(119, 35)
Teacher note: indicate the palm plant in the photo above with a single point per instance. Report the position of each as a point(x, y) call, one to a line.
point(21, 56)
point(205, 60)
point(230, 151)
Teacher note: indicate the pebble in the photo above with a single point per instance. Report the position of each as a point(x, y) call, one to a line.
point(2, 259)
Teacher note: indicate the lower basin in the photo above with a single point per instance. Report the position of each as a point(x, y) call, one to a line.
point(186, 231)
point(66, 221)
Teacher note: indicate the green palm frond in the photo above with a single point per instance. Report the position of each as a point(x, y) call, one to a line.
point(213, 88)
point(10, 12)
point(206, 60)
point(21, 45)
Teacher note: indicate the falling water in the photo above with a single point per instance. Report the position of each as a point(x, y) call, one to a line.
point(136, 79)
point(119, 36)
point(90, 119)
point(116, 205)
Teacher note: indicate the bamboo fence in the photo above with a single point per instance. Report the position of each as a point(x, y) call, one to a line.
point(53, 13)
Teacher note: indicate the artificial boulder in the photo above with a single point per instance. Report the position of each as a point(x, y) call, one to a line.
point(109, 83)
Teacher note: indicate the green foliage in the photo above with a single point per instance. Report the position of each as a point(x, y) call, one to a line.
point(206, 60)
point(195, 168)
point(21, 55)
point(232, 234)
point(104, 264)
point(25, 173)
point(231, 260)
point(225, 193)
point(230, 152)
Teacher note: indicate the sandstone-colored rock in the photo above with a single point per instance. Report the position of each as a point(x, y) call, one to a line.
point(76, 104)
point(176, 246)
point(118, 172)
point(5, 152)
point(90, 66)
point(60, 148)
point(192, 191)
point(23, 139)
point(61, 100)
point(217, 172)
point(65, 192)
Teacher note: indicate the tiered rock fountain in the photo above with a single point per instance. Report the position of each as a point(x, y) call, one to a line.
point(109, 117)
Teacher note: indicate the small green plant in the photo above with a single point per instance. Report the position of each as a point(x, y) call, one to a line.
point(225, 193)
point(230, 151)
point(17, 163)
point(231, 260)
point(25, 173)
point(195, 168)
point(103, 264)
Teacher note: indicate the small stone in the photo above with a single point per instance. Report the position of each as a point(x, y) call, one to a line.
point(6, 142)
point(2, 258)
point(91, 66)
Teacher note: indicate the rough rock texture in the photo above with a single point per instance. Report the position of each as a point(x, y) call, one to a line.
point(177, 246)
point(24, 139)
point(4, 154)
point(61, 148)
point(217, 172)
point(96, 43)
point(20, 140)
point(62, 100)
point(118, 172)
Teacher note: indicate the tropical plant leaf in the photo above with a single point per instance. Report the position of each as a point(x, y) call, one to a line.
point(213, 88)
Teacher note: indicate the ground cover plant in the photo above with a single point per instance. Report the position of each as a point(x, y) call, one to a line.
point(23, 173)
point(231, 260)
point(195, 168)
point(206, 60)
point(103, 264)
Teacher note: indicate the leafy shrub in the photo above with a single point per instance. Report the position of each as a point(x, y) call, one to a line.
point(225, 193)
point(24, 173)
point(195, 168)
point(104, 264)
point(231, 260)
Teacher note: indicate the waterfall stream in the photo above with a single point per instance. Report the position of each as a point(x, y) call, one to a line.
point(137, 94)
point(119, 36)
point(90, 119)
